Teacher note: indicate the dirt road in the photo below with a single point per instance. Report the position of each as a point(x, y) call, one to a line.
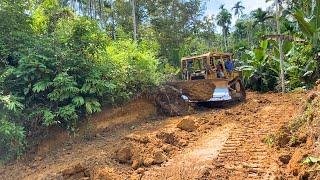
point(227, 144)
point(245, 155)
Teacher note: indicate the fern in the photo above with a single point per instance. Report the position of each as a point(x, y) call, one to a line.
point(92, 106)
point(78, 101)
point(40, 86)
point(67, 112)
point(11, 103)
point(64, 87)
point(12, 141)
point(49, 118)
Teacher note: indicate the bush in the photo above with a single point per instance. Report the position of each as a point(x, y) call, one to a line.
point(64, 70)
point(131, 68)
point(12, 140)
point(260, 70)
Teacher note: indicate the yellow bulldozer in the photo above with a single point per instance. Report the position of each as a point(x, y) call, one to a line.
point(206, 78)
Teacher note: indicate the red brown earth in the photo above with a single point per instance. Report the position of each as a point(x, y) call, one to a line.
point(133, 143)
point(296, 144)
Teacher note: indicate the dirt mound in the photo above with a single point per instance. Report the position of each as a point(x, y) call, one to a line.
point(124, 154)
point(103, 174)
point(168, 138)
point(138, 153)
point(187, 124)
point(76, 171)
point(169, 96)
point(142, 151)
point(296, 142)
point(169, 101)
point(197, 90)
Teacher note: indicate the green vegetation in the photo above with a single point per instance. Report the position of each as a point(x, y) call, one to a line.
point(270, 139)
point(61, 60)
point(56, 68)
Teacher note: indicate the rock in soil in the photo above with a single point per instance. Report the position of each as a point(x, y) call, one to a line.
point(285, 158)
point(124, 154)
point(168, 138)
point(159, 157)
point(148, 162)
point(311, 96)
point(73, 170)
point(187, 124)
point(103, 174)
point(136, 163)
point(140, 171)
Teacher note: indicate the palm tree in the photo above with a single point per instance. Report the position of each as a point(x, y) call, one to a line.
point(224, 21)
point(240, 29)
point(238, 9)
point(260, 16)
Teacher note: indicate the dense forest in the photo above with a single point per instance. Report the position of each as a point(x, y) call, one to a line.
point(62, 60)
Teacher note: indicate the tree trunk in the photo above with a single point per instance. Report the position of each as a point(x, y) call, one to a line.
point(280, 48)
point(113, 28)
point(134, 20)
point(225, 39)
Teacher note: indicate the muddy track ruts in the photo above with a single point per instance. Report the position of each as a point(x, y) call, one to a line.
point(245, 155)
point(240, 160)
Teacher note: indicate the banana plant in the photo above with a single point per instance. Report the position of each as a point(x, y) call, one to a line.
point(258, 68)
point(310, 26)
point(300, 66)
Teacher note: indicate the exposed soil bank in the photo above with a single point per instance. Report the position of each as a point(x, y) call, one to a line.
point(108, 118)
point(296, 145)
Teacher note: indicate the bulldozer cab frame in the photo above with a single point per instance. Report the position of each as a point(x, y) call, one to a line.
point(207, 66)
point(211, 68)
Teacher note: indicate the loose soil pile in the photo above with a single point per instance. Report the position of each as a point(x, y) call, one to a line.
point(297, 143)
point(169, 102)
point(196, 90)
point(168, 98)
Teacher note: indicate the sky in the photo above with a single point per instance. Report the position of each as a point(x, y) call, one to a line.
point(213, 6)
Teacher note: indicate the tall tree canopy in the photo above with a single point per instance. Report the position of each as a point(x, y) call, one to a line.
point(238, 9)
point(224, 21)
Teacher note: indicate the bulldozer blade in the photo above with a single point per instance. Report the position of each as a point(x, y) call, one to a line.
point(221, 94)
point(203, 90)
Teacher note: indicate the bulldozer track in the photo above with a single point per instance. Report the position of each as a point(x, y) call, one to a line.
point(244, 153)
